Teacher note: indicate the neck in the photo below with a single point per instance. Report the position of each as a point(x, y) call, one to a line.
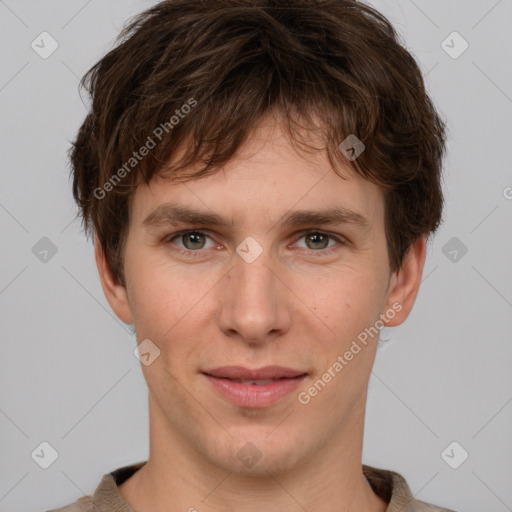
point(176, 477)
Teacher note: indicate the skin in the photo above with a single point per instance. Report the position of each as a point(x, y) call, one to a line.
point(296, 305)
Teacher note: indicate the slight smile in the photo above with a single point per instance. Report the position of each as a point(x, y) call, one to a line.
point(254, 388)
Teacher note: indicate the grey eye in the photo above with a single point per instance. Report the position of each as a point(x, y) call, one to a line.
point(193, 240)
point(317, 240)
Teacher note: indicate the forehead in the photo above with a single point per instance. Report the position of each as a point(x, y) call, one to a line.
point(267, 177)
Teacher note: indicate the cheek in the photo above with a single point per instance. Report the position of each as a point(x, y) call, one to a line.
point(343, 303)
point(159, 295)
point(166, 309)
point(347, 358)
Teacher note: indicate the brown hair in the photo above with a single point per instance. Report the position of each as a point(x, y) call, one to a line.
point(231, 62)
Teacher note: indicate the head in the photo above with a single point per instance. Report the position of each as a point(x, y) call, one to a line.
point(236, 109)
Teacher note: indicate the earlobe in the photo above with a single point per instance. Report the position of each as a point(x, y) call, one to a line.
point(405, 284)
point(114, 291)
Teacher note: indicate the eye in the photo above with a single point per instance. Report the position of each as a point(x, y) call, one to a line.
point(318, 241)
point(192, 240)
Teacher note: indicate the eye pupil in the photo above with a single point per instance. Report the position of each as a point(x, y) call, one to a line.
point(317, 238)
point(195, 238)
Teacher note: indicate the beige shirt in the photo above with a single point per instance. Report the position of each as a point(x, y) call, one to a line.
point(389, 485)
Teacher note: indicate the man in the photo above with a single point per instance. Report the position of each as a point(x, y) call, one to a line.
point(261, 178)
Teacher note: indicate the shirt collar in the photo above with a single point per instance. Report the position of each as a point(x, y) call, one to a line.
point(388, 485)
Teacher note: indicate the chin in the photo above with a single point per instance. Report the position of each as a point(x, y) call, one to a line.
point(253, 453)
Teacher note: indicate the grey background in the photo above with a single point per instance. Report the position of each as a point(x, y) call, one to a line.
point(68, 374)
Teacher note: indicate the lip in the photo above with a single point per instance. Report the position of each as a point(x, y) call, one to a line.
point(266, 372)
point(254, 396)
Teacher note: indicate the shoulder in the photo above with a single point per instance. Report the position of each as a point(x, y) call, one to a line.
point(393, 487)
point(421, 506)
point(106, 496)
point(83, 504)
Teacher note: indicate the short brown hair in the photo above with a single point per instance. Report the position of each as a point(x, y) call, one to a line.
point(337, 61)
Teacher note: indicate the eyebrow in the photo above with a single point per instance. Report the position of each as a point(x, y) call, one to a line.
point(170, 214)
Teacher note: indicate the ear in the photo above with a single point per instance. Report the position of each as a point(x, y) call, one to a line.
point(404, 284)
point(114, 291)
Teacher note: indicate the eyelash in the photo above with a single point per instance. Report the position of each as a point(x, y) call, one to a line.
point(198, 253)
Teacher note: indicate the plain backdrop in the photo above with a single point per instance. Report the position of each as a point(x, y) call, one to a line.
point(68, 374)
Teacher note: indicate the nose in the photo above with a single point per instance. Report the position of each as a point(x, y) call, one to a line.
point(254, 302)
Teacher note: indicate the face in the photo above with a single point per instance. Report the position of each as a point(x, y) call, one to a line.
point(263, 287)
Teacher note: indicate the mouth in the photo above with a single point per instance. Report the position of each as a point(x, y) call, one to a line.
point(254, 388)
point(254, 382)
